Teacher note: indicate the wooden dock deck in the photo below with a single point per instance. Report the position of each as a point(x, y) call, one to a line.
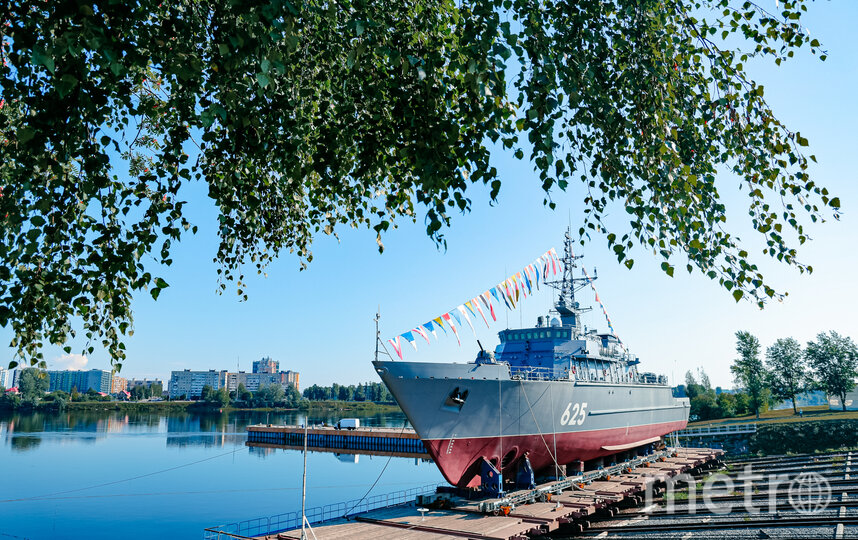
point(367, 439)
point(350, 451)
point(571, 507)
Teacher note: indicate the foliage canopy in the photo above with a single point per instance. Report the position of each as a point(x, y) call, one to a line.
point(307, 116)
point(787, 372)
point(834, 358)
point(33, 384)
point(749, 370)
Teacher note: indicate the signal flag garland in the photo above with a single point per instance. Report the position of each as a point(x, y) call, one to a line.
point(510, 292)
point(604, 311)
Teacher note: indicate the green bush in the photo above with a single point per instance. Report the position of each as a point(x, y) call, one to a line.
point(804, 437)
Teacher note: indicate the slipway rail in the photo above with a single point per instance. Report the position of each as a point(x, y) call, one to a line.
point(437, 513)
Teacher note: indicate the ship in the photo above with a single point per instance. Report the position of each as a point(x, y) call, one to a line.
point(549, 396)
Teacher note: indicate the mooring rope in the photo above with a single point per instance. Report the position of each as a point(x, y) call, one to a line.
point(539, 429)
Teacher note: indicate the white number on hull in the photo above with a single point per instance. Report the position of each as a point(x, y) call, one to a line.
point(575, 413)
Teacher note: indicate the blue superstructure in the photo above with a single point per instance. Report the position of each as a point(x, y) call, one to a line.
point(560, 346)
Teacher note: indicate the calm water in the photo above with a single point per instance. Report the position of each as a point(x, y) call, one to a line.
point(140, 475)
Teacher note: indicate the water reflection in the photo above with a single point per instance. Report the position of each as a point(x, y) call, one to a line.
point(89, 474)
point(26, 431)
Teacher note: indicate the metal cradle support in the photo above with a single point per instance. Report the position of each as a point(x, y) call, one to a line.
point(491, 479)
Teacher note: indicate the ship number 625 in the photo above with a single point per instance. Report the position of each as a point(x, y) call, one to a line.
point(575, 413)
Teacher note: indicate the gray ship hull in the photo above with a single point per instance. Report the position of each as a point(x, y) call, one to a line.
point(468, 412)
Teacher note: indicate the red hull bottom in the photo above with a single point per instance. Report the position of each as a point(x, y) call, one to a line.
point(459, 459)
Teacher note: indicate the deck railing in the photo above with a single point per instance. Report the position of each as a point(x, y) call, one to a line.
point(260, 526)
point(534, 373)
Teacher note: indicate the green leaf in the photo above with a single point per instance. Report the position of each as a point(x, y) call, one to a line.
point(25, 134)
point(262, 79)
point(737, 294)
point(160, 283)
point(66, 84)
point(39, 57)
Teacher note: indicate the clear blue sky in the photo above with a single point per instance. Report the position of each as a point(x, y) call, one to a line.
point(319, 322)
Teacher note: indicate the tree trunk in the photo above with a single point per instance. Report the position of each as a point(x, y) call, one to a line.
point(794, 408)
point(843, 401)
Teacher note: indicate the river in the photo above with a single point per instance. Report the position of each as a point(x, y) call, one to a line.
point(170, 475)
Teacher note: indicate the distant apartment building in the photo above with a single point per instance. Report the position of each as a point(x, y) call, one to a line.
point(190, 383)
point(290, 377)
point(99, 380)
point(251, 381)
point(265, 371)
point(7, 377)
point(118, 384)
point(269, 366)
point(266, 365)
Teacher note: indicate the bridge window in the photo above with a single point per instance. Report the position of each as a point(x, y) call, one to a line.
point(542, 334)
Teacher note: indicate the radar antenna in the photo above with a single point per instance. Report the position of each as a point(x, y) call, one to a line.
point(566, 306)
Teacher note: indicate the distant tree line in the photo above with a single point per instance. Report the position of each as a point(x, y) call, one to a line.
point(146, 391)
point(34, 385)
point(708, 403)
point(829, 363)
point(370, 391)
point(270, 395)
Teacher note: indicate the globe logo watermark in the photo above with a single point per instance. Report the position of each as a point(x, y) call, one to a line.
point(809, 493)
point(805, 493)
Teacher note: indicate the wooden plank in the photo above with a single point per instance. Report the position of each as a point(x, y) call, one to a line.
point(354, 530)
point(549, 514)
point(451, 522)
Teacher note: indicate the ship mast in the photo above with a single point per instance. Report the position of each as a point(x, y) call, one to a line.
point(566, 306)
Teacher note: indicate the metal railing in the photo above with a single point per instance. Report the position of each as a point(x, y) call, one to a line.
point(720, 429)
point(286, 521)
point(534, 373)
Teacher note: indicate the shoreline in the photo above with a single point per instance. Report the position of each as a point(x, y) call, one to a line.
point(195, 406)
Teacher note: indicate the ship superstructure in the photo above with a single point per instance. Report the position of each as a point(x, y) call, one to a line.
point(549, 395)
